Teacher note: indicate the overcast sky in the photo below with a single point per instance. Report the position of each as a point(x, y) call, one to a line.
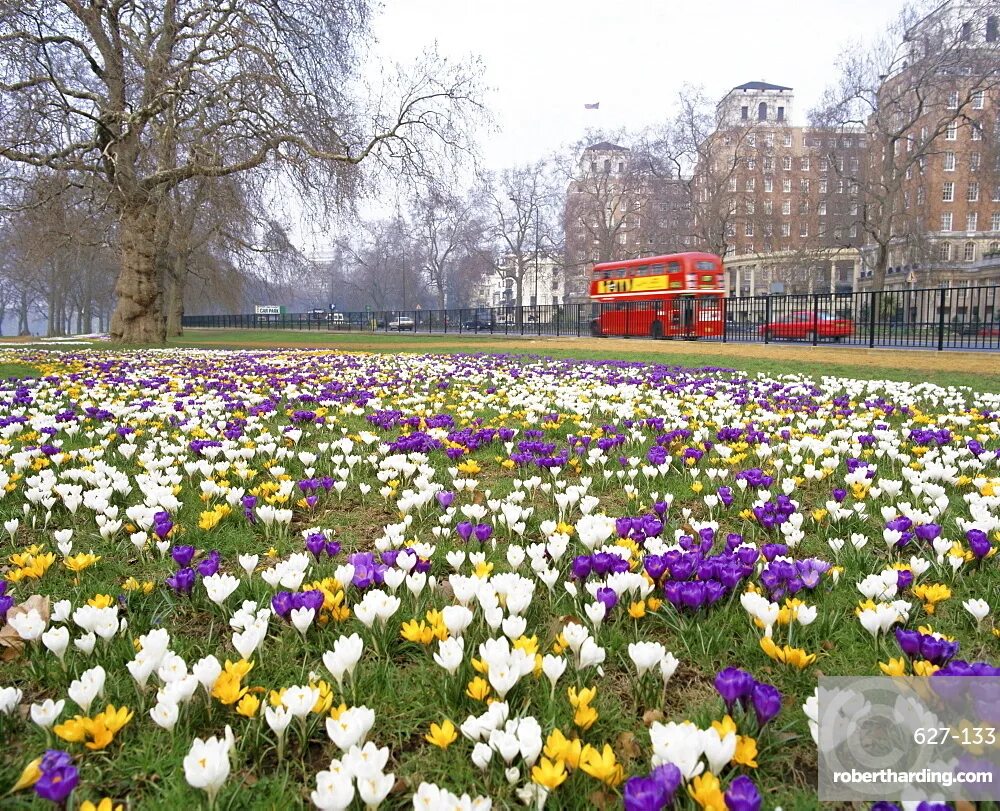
point(545, 59)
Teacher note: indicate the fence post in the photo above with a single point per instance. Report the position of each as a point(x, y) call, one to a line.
point(874, 300)
point(815, 318)
point(725, 321)
point(941, 318)
point(767, 319)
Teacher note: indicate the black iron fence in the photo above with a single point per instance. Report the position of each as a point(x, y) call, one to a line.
point(933, 318)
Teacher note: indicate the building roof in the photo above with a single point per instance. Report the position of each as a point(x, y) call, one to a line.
point(760, 86)
point(605, 146)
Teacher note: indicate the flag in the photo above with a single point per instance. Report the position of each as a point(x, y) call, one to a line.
point(595, 106)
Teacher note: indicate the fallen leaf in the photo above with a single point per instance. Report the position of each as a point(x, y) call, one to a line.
point(651, 716)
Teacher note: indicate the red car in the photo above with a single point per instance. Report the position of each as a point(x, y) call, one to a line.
point(804, 326)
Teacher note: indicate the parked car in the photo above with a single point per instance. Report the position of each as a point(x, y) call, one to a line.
point(479, 322)
point(400, 323)
point(804, 326)
point(990, 330)
point(318, 315)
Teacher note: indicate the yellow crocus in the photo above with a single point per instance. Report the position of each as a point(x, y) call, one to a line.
point(29, 776)
point(549, 773)
point(106, 804)
point(601, 765)
point(894, 667)
point(559, 747)
point(746, 751)
point(584, 696)
point(585, 716)
point(478, 689)
point(73, 730)
point(248, 706)
point(84, 560)
point(442, 735)
point(101, 601)
point(706, 791)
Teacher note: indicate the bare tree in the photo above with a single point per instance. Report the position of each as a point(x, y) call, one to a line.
point(145, 95)
point(446, 232)
point(384, 266)
point(908, 92)
point(519, 213)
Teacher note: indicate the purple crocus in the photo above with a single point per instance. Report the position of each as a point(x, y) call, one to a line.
point(979, 543)
point(734, 684)
point(316, 544)
point(210, 565)
point(644, 794)
point(742, 795)
point(182, 581)
point(59, 776)
point(444, 498)
point(482, 532)
point(182, 554)
point(766, 700)
point(464, 530)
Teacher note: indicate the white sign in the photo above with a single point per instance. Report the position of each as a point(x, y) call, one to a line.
point(911, 278)
point(267, 309)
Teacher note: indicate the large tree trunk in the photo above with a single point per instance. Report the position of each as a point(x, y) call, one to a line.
point(176, 277)
point(138, 316)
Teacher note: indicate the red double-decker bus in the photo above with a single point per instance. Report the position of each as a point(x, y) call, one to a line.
point(674, 296)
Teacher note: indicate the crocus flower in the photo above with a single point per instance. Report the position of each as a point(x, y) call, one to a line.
point(742, 795)
point(182, 554)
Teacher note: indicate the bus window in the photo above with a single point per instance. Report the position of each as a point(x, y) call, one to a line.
point(704, 265)
point(642, 270)
point(657, 270)
point(674, 267)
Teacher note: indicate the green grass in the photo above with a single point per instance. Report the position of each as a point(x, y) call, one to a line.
point(17, 370)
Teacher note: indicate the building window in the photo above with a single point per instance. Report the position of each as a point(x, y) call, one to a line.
point(840, 187)
point(751, 139)
point(974, 159)
point(732, 184)
point(786, 185)
point(948, 192)
point(803, 229)
point(854, 209)
point(744, 113)
point(946, 221)
point(992, 29)
point(786, 229)
point(621, 167)
point(977, 131)
point(995, 221)
point(854, 230)
point(751, 184)
point(768, 209)
point(751, 163)
point(824, 164)
point(966, 31)
point(971, 221)
point(977, 99)
point(781, 112)
point(951, 134)
point(768, 184)
point(821, 209)
point(953, 100)
point(749, 207)
point(748, 230)
point(786, 163)
point(731, 229)
point(944, 251)
point(949, 161)
point(768, 164)
point(607, 165)
point(805, 163)
point(768, 139)
point(921, 196)
point(970, 252)
point(972, 194)
point(804, 185)
point(822, 186)
point(786, 207)
point(787, 140)
point(762, 111)
point(996, 193)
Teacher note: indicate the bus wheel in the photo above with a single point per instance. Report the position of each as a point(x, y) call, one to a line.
point(656, 330)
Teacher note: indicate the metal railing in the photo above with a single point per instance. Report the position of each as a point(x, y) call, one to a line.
point(932, 318)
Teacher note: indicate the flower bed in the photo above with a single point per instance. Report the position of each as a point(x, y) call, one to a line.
point(252, 579)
